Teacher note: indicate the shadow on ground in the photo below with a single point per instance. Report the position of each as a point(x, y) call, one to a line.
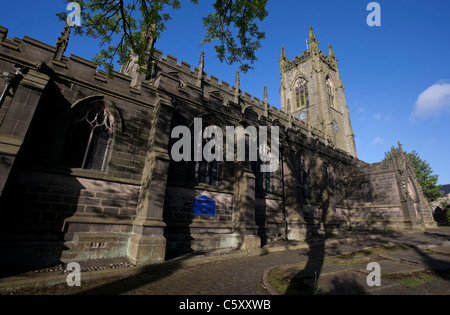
point(307, 281)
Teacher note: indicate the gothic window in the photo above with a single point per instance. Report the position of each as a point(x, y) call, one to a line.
point(367, 192)
point(330, 93)
point(89, 139)
point(301, 93)
point(329, 176)
point(303, 177)
point(264, 182)
point(202, 172)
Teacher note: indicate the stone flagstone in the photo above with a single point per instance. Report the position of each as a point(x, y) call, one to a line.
point(432, 261)
point(392, 267)
point(445, 249)
point(302, 271)
point(346, 283)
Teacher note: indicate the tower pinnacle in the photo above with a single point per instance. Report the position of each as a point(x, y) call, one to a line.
point(283, 54)
point(201, 65)
point(332, 57)
point(237, 83)
point(313, 43)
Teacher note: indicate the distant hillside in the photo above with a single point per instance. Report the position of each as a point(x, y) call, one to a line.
point(445, 189)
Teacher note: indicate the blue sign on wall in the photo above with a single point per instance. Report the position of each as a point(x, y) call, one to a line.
point(204, 206)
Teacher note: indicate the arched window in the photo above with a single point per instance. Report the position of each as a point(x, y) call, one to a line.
point(367, 192)
point(89, 138)
point(301, 93)
point(331, 93)
point(303, 176)
point(329, 176)
point(264, 182)
point(203, 172)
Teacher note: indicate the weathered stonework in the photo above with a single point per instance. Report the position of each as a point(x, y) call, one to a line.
point(137, 201)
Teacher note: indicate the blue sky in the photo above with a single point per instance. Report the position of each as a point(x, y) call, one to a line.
point(397, 76)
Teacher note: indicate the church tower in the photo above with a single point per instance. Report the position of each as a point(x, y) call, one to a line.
point(312, 90)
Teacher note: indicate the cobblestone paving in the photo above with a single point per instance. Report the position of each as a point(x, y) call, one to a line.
point(238, 276)
point(229, 277)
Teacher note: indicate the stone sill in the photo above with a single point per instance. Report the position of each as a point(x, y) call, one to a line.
point(88, 174)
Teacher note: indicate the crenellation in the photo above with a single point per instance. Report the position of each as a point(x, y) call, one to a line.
point(171, 60)
point(3, 33)
point(9, 44)
point(74, 59)
point(213, 80)
point(186, 67)
point(194, 72)
point(247, 96)
point(35, 43)
point(101, 76)
point(225, 85)
point(157, 54)
point(273, 108)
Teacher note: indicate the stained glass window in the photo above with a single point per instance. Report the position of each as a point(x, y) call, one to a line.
point(89, 139)
point(301, 93)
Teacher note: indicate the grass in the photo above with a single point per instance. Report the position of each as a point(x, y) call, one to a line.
point(413, 280)
point(364, 256)
point(284, 284)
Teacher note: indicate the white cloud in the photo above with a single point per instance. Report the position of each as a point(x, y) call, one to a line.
point(433, 100)
point(432, 141)
point(381, 117)
point(377, 140)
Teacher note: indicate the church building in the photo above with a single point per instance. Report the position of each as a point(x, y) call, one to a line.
point(86, 170)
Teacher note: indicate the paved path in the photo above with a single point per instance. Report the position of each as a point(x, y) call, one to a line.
point(239, 276)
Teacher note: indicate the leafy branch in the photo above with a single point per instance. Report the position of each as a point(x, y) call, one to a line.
point(123, 26)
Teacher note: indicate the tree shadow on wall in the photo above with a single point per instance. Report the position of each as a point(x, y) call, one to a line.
point(322, 227)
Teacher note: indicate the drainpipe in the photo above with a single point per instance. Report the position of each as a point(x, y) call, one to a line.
point(8, 79)
point(283, 204)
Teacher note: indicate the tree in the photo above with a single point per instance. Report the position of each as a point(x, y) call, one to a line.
point(424, 173)
point(128, 25)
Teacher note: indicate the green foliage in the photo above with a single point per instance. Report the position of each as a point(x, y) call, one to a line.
point(424, 174)
point(235, 20)
point(124, 25)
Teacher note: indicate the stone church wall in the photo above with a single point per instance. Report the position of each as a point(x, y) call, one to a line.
point(139, 204)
